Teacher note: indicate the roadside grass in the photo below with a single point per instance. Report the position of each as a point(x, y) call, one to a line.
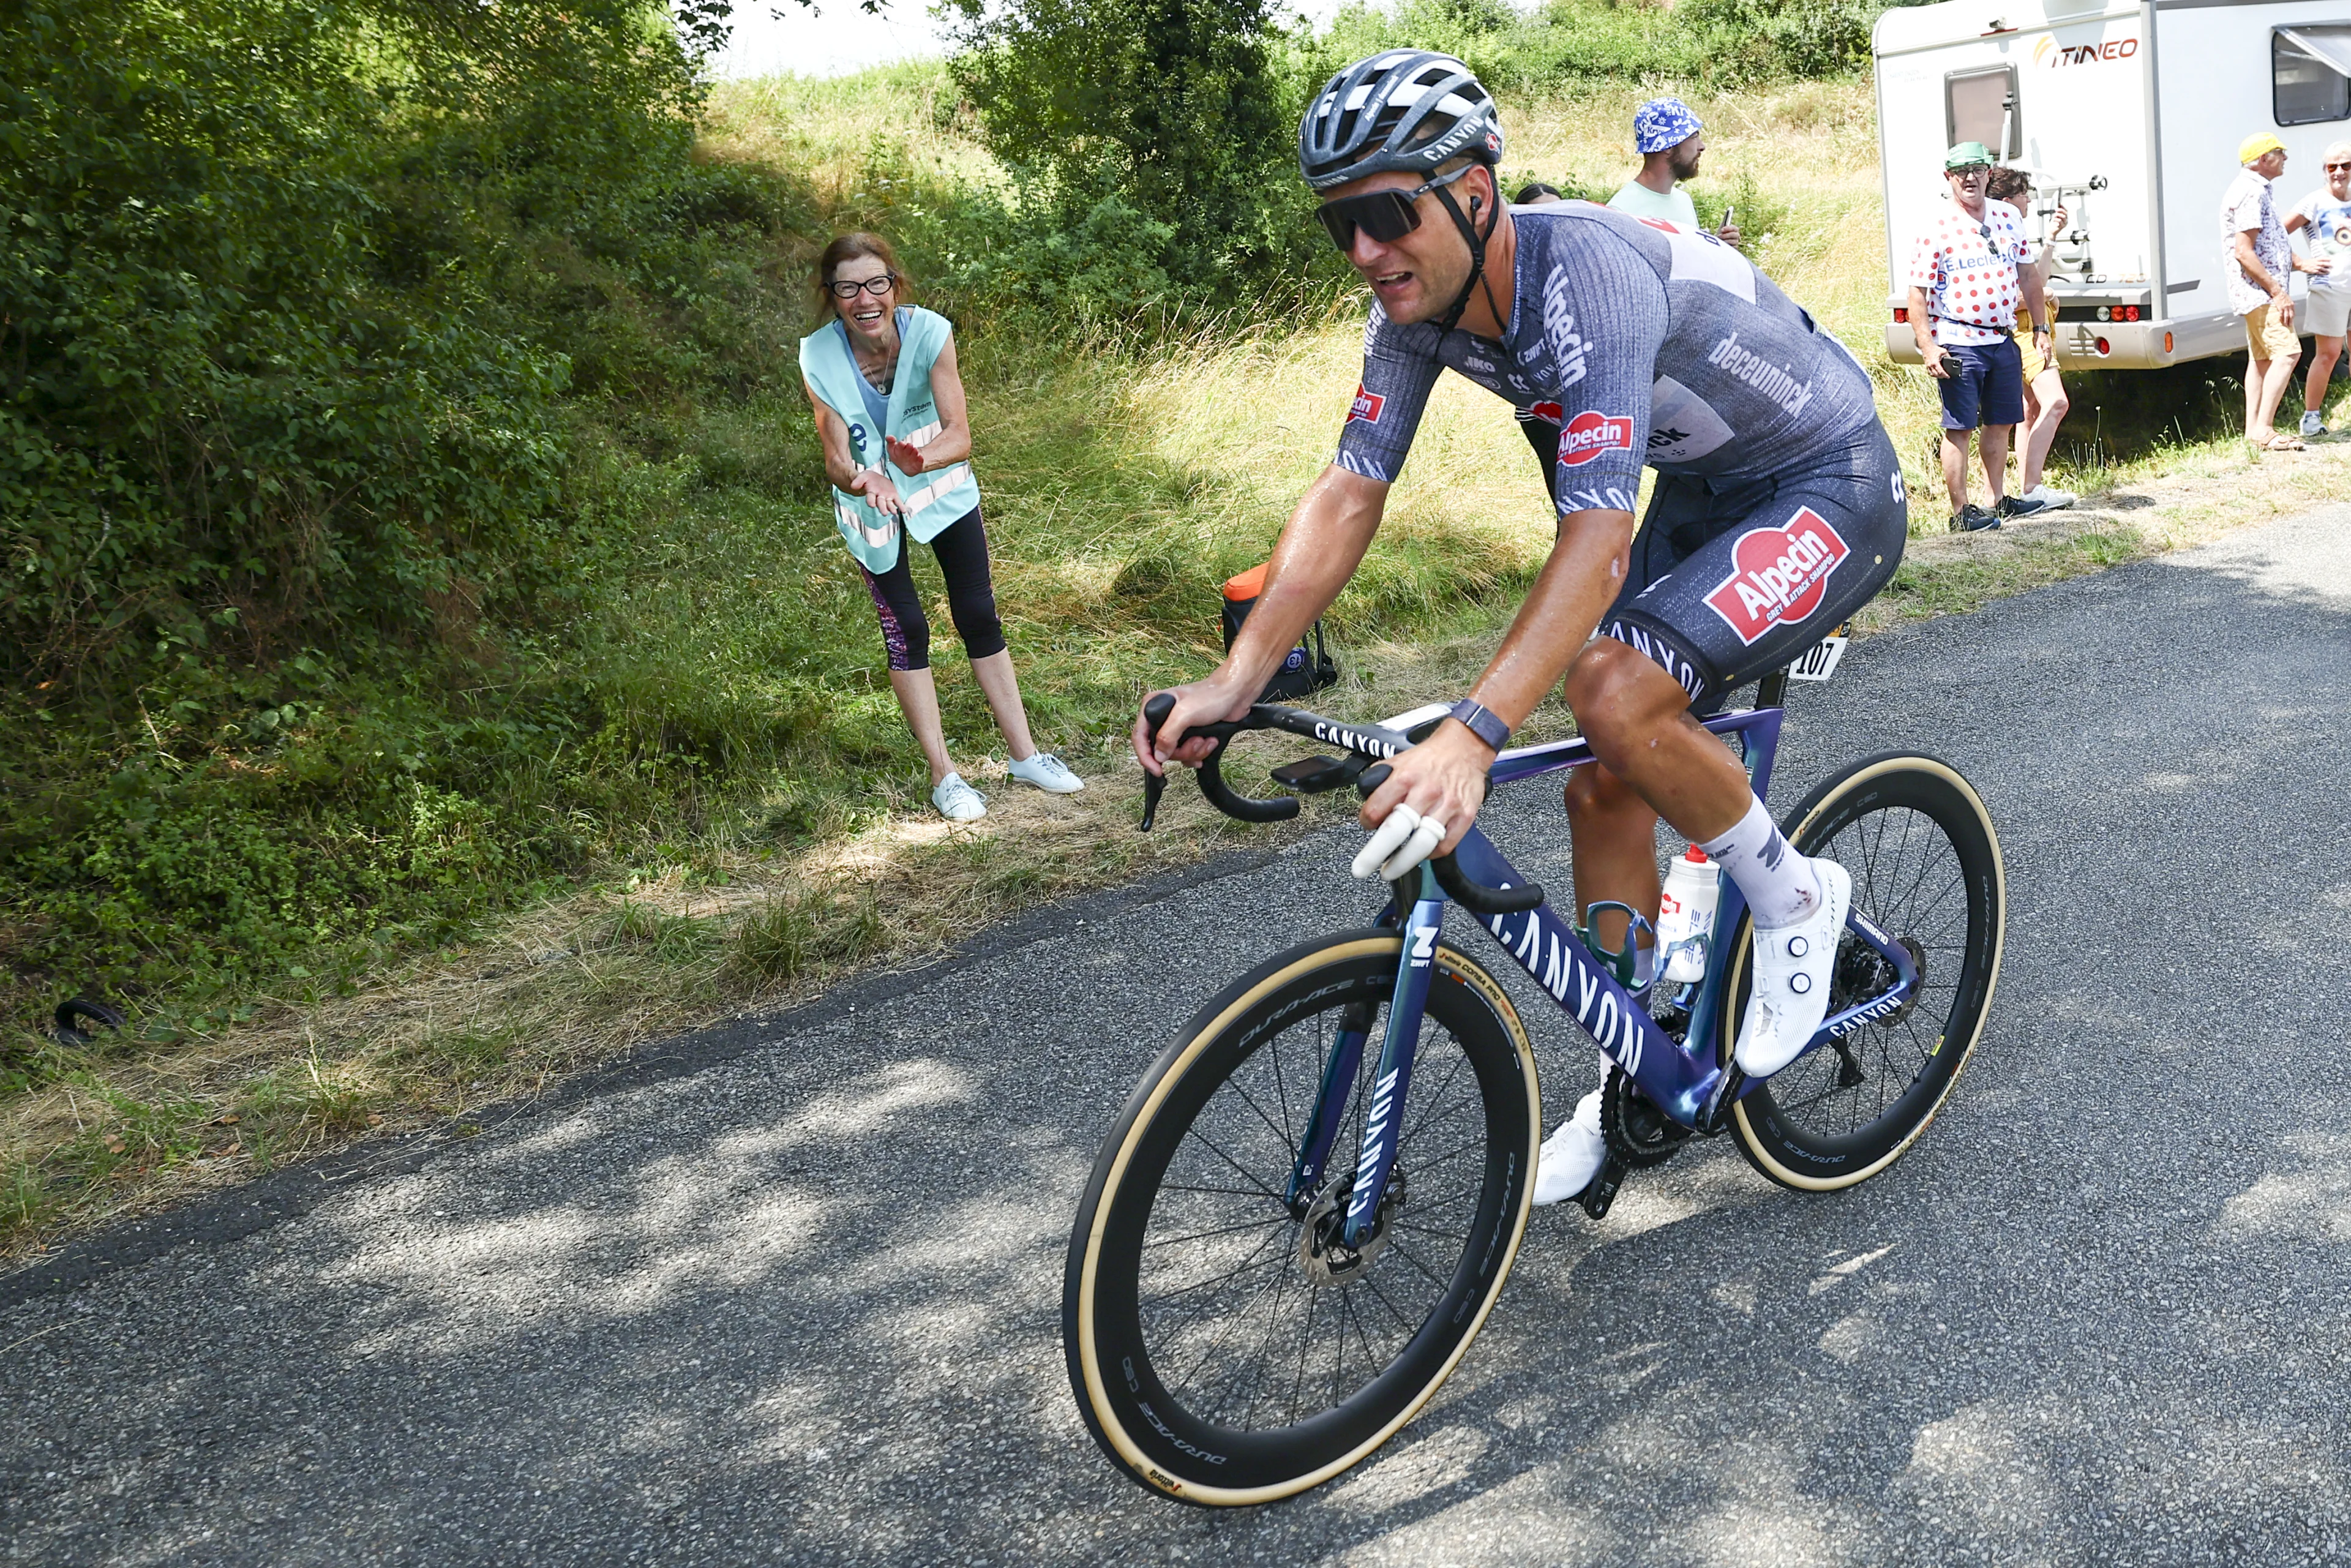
point(1124, 478)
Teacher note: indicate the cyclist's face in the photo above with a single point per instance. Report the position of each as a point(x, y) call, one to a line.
point(1417, 276)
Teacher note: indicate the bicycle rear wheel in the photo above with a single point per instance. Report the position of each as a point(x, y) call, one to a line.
point(1219, 1349)
point(1926, 867)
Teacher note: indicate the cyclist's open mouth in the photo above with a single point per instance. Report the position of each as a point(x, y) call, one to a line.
point(1392, 287)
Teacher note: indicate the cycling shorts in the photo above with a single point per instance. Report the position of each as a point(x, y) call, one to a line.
point(1731, 581)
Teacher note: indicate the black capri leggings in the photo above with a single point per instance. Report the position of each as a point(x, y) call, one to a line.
point(962, 549)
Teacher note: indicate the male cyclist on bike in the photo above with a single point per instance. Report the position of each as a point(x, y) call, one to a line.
point(1778, 510)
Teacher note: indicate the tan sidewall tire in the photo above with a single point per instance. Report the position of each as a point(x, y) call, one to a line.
point(1105, 1413)
point(1755, 1148)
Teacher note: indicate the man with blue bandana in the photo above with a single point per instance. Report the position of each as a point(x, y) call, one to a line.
point(1669, 138)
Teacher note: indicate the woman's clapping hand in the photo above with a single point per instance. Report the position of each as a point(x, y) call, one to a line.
point(880, 494)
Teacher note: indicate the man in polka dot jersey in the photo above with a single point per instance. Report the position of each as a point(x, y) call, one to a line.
point(1967, 277)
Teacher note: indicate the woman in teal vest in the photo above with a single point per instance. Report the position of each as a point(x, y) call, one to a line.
point(898, 445)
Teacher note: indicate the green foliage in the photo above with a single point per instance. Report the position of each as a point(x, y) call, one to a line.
point(1704, 43)
point(1150, 134)
point(1767, 40)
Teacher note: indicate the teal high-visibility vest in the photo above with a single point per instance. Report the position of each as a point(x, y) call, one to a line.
point(932, 500)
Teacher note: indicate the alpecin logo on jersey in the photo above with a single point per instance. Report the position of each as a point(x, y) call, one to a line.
point(1778, 576)
point(1549, 412)
point(1589, 434)
point(1367, 407)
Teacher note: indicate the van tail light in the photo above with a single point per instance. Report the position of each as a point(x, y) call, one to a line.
point(1902, 313)
point(2167, 342)
point(2105, 347)
point(2130, 312)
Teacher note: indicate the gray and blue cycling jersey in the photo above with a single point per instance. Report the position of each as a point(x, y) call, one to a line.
point(1643, 343)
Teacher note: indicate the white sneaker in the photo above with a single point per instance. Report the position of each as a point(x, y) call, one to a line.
point(958, 801)
point(1792, 967)
point(1573, 1156)
point(1046, 772)
point(2051, 497)
point(2312, 424)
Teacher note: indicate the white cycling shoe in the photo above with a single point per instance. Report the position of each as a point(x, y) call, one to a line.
point(1573, 1156)
point(1793, 968)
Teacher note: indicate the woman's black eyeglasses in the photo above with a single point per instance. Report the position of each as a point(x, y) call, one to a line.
point(847, 288)
point(1386, 215)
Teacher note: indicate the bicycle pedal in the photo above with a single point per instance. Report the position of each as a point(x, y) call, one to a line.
point(1601, 1194)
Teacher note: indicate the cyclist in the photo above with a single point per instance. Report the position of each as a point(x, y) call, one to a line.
point(1778, 510)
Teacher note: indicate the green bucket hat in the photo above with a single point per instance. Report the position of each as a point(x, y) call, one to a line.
point(1966, 153)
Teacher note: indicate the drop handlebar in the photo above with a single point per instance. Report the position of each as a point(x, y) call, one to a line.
point(1365, 739)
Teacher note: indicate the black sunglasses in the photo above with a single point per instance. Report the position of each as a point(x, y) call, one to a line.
point(1386, 215)
point(847, 288)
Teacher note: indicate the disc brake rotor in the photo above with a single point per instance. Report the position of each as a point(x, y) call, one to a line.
point(1326, 1257)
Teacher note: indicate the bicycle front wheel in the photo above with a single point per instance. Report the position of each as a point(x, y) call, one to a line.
point(1926, 867)
point(1222, 1350)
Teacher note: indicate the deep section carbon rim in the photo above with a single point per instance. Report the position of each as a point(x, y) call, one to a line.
point(1245, 1347)
point(1926, 868)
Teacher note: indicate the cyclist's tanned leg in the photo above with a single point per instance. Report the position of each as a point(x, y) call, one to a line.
point(1654, 760)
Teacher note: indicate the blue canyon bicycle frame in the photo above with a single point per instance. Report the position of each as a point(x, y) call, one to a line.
point(1687, 1080)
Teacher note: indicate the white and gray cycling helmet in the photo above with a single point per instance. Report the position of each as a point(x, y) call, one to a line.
point(1404, 109)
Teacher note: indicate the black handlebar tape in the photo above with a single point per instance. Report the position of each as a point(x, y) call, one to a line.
point(1210, 773)
point(1479, 899)
point(1281, 809)
point(1371, 777)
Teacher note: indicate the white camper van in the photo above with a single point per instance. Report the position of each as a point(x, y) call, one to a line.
point(2130, 117)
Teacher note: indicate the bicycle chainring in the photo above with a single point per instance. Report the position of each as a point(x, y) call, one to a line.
point(1637, 1132)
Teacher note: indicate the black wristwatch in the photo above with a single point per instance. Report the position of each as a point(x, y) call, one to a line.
point(1483, 722)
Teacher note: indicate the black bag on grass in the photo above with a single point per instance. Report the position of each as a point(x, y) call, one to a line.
point(1306, 671)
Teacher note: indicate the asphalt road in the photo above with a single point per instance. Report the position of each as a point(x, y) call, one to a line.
point(789, 1292)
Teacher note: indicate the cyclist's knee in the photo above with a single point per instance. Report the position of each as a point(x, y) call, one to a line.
point(1593, 792)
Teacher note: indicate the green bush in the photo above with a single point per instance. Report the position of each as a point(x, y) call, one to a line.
point(1158, 134)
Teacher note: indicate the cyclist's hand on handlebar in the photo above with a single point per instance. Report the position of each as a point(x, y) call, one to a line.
point(1431, 797)
point(1210, 701)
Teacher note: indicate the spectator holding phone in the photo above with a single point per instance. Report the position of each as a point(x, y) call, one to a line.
point(896, 433)
point(2044, 391)
point(1669, 138)
point(1968, 271)
point(2325, 215)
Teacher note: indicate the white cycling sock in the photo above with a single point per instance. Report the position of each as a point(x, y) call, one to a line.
point(1778, 883)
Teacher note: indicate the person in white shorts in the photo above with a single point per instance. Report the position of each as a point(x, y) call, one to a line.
point(2323, 216)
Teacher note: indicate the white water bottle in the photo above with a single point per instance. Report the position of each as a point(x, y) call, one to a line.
point(1686, 916)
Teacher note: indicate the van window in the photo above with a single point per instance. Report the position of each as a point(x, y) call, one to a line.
point(1981, 106)
point(2310, 73)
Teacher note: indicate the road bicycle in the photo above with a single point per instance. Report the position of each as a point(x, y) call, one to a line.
point(1308, 1205)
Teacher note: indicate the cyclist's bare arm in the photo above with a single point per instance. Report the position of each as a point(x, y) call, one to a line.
point(1444, 776)
point(1317, 552)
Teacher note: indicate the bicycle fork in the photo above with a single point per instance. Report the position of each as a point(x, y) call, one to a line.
point(1375, 1160)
